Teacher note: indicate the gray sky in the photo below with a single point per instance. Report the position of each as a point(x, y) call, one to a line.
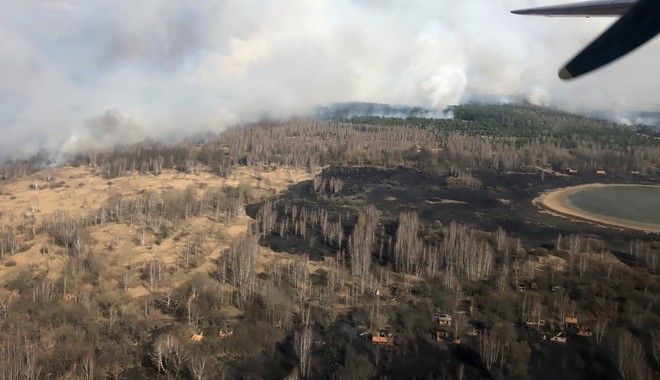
point(89, 73)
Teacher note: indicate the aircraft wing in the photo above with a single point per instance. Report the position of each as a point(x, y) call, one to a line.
point(640, 22)
point(581, 9)
point(636, 27)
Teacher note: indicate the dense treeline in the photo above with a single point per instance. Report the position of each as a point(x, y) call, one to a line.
point(495, 137)
point(504, 137)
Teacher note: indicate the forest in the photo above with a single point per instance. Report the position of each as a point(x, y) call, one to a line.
point(369, 247)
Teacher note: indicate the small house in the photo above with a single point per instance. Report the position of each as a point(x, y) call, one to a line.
point(571, 321)
point(224, 333)
point(539, 323)
point(196, 337)
point(585, 331)
point(601, 172)
point(444, 319)
point(383, 338)
point(441, 335)
point(559, 338)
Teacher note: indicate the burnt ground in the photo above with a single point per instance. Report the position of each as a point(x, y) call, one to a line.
point(503, 200)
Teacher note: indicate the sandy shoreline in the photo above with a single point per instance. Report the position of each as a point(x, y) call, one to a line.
point(556, 203)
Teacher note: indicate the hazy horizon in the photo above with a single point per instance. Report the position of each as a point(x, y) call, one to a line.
point(83, 74)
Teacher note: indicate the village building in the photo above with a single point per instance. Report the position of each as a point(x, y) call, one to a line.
point(224, 333)
point(444, 319)
point(571, 322)
point(560, 338)
point(383, 337)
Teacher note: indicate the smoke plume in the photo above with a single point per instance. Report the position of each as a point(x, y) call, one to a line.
point(81, 73)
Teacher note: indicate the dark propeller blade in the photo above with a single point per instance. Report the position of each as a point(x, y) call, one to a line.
point(581, 9)
point(637, 26)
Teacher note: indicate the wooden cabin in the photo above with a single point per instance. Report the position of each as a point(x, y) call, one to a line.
point(560, 338)
point(539, 323)
point(571, 321)
point(585, 331)
point(441, 335)
point(444, 319)
point(383, 338)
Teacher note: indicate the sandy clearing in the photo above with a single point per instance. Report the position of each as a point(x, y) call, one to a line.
point(445, 202)
point(551, 262)
point(555, 202)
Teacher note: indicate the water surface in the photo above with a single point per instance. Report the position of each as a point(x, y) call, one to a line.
point(638, 204)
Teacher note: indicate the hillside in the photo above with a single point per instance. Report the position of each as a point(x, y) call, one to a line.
point(349, 249)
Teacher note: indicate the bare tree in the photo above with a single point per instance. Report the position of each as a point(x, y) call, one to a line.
point(336, 185)
point(197, 365)
point(458, 324)
point(18, 359)
point(655, 345)
point(167, 353)
point(490, 348)
point(88, 365)
point(463, 253)
point(6, 303)
point(34, 203)
point(154, 273)
point(361, 244)
point(574, 249)
point(408, 247)
point(238, 266)
point(157, 354)
point(630, 357)
point(501, 242)
point(303, 349)
point(141, 235)
point(168, 297)
point(126, 279)
point(601, 328)
point(503, 279)
point(267, 218)
point(460, 372)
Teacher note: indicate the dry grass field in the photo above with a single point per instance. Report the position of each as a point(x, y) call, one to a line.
point(76, 191)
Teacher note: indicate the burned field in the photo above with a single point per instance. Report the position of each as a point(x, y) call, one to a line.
point(501, 200)
point(486, 203)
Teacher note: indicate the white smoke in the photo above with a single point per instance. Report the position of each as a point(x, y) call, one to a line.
point(172, 67)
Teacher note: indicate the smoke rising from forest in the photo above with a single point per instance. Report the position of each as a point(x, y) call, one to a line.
point(80, 74)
